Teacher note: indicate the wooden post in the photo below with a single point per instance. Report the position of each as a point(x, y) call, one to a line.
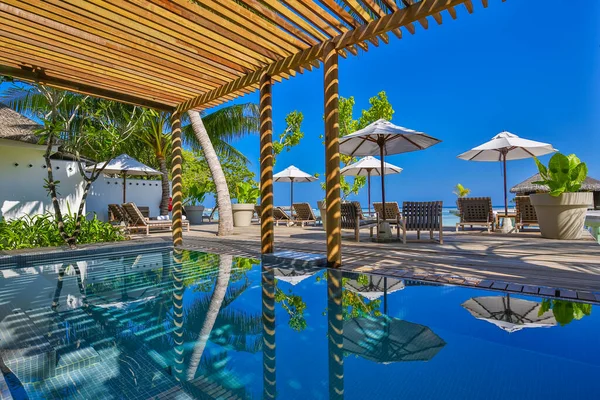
point(266, 166)
point(332, 158)
point(176, 176)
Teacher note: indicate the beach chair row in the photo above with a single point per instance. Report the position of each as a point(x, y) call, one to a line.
point(133, 219)
point(478, 211)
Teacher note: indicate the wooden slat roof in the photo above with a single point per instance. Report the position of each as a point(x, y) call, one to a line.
point(184, 54)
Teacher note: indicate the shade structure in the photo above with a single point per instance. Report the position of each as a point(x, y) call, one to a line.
point(125, 165)
point(369, 166)
point(507, 146)
point(373, 287)
point(292, 174)
point(387, 340)
point(294, 275)
point(509, 314)
point(384, 138)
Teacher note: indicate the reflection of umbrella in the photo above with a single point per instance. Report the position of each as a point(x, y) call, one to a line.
point(387, 340)
point(509, 314)
point(376, 286)
point(126, 165)
point(368, 166)
point(384, 138)
point(506, 146)
point(293, 275)
point(292, 174)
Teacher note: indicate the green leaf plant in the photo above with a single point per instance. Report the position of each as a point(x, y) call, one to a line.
point(247, 192)
point(564, 174)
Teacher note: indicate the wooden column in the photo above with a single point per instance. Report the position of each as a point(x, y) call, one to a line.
point(177, 185)
point(266, 165)
point(332, 158)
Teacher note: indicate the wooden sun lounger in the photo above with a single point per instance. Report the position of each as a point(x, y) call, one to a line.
point(279, 215)
point(525, 213)
point(304, 214)
point(475, 211)
point(138, 222)
point(350, 219)
point(212, 214)
point(116, 214)
point(422, 216)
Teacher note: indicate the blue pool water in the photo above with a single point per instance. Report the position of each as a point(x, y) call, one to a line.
point(196, 325)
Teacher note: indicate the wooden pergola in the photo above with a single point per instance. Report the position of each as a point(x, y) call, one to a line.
point(180, 55)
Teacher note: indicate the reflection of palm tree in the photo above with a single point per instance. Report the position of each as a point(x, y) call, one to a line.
point(216, 301)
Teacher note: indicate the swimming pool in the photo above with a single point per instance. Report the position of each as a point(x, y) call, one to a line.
point(196, 325)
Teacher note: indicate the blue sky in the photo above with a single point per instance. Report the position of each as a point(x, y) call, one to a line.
point(529, 67)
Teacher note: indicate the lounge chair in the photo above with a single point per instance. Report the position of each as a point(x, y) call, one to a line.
point(304, 214)
point(116, 214)
point(258, 211)
point(212, 214)
point(422, 216)
point(350, 219)
point(392, 214)
point(138, 222)
point(475, 211)
point(525, 215)
point(279, 215)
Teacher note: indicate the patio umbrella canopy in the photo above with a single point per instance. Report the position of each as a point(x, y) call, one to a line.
point(509, 314)
point(384, 138)
point(375, 287)
point(386, 340)
point(507, 146)
point(369, 166)
point(125, 165)
point(294, 275)
point(292, 174)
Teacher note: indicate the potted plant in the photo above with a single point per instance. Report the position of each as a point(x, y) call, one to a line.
point(193, 196)
point(246, 194)
point(561, 211)
point(323, 211)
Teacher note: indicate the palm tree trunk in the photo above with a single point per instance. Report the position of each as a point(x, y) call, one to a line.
point(223, 199)
point(214, 307)
point(164, 201)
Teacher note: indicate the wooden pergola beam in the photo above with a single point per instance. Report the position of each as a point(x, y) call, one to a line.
point(397, 19)
point(38, 76)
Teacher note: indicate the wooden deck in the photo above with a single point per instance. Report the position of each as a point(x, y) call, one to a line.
point(491, 259)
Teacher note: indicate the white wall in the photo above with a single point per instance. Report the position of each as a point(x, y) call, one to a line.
point(105, 191)
point(22, 187)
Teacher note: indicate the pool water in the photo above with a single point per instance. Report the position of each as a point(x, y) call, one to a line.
point(197, 325)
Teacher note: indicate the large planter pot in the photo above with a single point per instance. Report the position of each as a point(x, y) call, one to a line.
point(242, 214)
point(562, 217)
point(323, 211)
point(194, 214)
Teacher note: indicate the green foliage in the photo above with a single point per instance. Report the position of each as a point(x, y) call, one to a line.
point(295, 306)
point(354, 305)
point(292, 134)
point(461, 191)
point(195, 194)
point(41, 231)
point(564, 174)
point(565, 311)
point(247, 192)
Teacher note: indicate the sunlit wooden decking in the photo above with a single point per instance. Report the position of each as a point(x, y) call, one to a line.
point(523, 259)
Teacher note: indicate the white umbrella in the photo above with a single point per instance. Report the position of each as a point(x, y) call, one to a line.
point(507, 146)
point(508, 314)
point(375, 287)
point(384, 138)
point(126, 165)
point(368, 166)
point(292, 174)
point(292, 275)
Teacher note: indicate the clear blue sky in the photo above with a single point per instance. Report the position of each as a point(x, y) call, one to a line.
point(529, 67)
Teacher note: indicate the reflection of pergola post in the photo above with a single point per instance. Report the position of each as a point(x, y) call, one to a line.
point(177, 185)
point(335, 333)
point(268, 318)
point(332, 157)
point(266, 165)
point(178, 314)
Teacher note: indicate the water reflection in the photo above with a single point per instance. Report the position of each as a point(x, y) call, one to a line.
point(335, 334)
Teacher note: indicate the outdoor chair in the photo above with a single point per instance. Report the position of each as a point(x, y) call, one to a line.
point(212, 214)
point(422, 216)
point(525, 214)
point(138, 222)
point(350, 219)
point(258, 211)
point(475, 211)
point(304, 214)
point(116, 214)
point(392, 214)
point(279, 215)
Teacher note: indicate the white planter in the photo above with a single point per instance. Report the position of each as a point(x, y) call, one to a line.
point(194, 214)
point(562, 217)
point(323, 211)
point(242, 214)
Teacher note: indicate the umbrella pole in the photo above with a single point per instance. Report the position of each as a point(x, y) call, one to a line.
point(385, 309)
point(292, 197)
point(124, 187)
point(505, 194)
point(369, 190)
point(381, 142)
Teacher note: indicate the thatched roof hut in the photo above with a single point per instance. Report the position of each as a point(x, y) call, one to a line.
point(14, 126)
point(527, 187)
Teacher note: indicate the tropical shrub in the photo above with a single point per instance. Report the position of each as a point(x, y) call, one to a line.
point(42, 231)
point(565, 311)
point(247, 192)
point(564, 174)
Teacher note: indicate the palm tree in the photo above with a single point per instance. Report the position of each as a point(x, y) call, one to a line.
point(461, 191)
